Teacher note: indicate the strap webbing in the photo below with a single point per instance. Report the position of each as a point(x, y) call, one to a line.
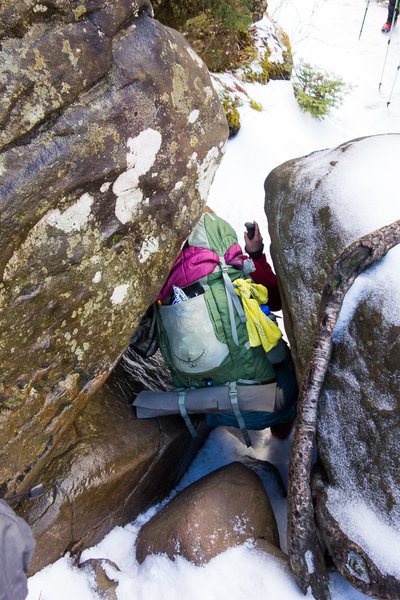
point(238, 414)
point(233, 299)
point(184, 414)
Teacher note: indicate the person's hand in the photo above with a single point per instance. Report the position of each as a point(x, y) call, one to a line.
point(255, 244)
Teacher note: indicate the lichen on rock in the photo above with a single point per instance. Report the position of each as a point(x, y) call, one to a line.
point(111, 135)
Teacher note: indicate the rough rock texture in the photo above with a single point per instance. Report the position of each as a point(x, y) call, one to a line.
point(219, 511)
point(211, 39)
point(103, 585)
point(259, 8)
point(108, 468)
point(110, 137)
point(312, 205)
point(353, 561)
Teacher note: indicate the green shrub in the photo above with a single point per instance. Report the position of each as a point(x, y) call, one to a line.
point(315, 92)
point(238, 18)
point(230, 105)
point(255, 106)
point(234, 14)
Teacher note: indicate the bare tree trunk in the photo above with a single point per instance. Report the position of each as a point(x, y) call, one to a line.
point(306, 556)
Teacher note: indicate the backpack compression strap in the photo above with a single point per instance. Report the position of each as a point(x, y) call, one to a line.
point(184, 414)
point(235, 407)
point(233, 299)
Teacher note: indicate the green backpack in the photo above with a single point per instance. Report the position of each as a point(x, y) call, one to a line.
point(203, 339)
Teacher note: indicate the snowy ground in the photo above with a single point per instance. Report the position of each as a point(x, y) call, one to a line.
point(326, 35)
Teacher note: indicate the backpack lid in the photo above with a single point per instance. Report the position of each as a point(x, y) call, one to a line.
point(211, 239)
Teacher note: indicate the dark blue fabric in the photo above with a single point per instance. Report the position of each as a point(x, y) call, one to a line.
point(286, 380)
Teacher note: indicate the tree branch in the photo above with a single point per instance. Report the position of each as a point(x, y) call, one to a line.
point(306, 555)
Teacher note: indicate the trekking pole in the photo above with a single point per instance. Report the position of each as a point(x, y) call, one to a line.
point(394, 83)
point(389, 40)
point(365, 14)
point(31, 494)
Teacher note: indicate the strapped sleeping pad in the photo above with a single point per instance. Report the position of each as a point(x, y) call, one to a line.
point(204, 339)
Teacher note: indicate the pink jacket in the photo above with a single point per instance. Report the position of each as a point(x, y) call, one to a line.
point(195, 262)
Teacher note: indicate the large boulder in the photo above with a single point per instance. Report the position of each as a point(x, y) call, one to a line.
point(108, 468)
point(316, 207)
point(111, 134)
point(221, 510)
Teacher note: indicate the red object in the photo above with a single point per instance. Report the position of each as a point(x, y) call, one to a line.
point(265, 275)
point(195, 262)
point(282, 430)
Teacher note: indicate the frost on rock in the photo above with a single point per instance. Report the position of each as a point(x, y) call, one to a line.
point(378, 286)
point(317, 206)
point(309, 558)
point(366, 526)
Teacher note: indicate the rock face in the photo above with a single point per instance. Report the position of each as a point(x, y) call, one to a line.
point(111, 134)
point(217, 512)
point(106, 469)
point(316, 207)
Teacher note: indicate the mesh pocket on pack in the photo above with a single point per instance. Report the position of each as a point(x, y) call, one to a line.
point(194, 347)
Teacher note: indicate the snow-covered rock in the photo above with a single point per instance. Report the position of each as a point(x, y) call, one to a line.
point(219, 511)
point(316, 207)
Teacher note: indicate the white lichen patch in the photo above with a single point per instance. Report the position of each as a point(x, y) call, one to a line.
point(141, 157)
point(74, 218)
point(206, 172)
point(194, 115)
point(66, 49)
point(178, 185)
point(309, 558)
point(97, 277)
point(148, 248)
point(105, 187)
point(209, 92)
point(119, 293)
point(192, 160)
point(180, 89)
point(193, 55)
point(39, 8)
point(65, 88)
point(125, 207)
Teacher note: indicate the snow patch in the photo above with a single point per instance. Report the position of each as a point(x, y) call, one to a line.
point(141, 157)
point(97, 277)
point(354, 186)
point(379, 285)
point(364, 525)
